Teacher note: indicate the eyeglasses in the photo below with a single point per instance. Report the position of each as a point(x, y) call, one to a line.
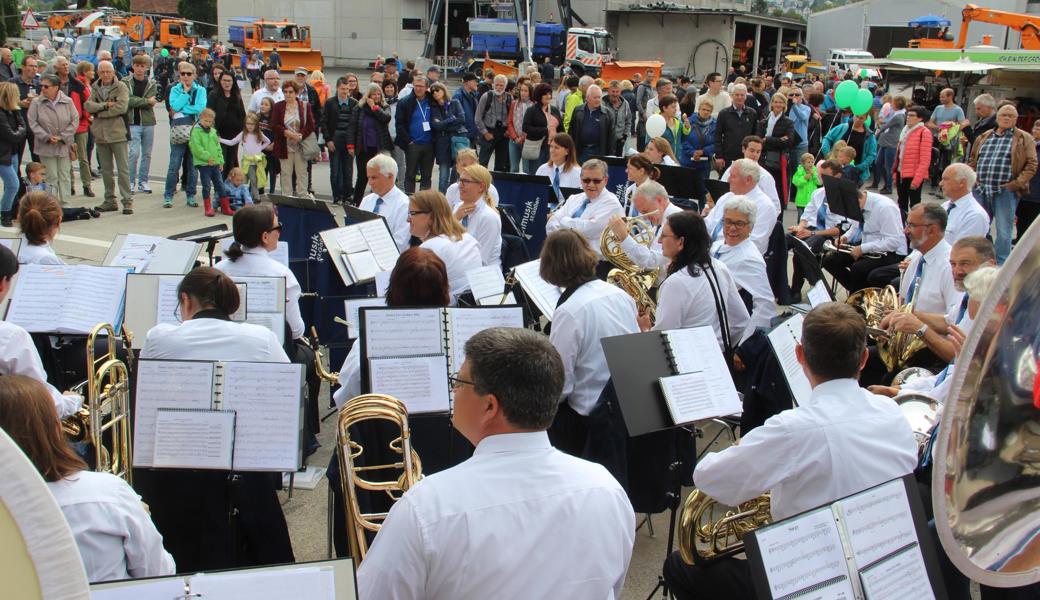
point(592, 181)
point(44, 86)
point(466, 181)
point(413, 213)
point(910, 225)
point(731, 223)
point(277, 227)
point(456, 382)
point(186, 74)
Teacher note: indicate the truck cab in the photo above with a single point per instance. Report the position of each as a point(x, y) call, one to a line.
point(87, 46)
point(845, 59)
point(587, 49)
point(177, 33)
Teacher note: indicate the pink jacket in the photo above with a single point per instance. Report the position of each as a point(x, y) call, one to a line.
point(917, 156)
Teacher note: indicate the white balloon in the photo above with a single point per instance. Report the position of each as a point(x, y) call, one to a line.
point(655, 126)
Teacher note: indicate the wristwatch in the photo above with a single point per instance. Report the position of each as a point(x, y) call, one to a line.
point(919, 334)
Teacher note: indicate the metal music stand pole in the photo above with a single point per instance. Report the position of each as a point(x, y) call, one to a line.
point(674, 500)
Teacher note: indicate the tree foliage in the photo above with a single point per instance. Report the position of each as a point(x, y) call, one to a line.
point(200, 11)
point(11, 24)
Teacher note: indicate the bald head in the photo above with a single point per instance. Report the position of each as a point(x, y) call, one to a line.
point(106, 72)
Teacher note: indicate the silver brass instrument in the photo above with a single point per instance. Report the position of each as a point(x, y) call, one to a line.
point(987, 451)
point(630, 277)
point(920, 411)
point(702, 539)
point(405, 472)
point(829, 246)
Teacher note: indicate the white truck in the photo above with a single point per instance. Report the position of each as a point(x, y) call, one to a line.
point(845, 59)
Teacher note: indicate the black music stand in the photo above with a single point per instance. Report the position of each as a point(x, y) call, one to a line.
point(302, 203)
point(716, 188)
point(353, 215)
point(678, 181)
point(843, 198)
point(210, 236)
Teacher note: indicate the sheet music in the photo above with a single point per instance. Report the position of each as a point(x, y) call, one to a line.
point(421, 382)
point(361, 265)
point(166, 310)
point(302, 582)
point(137, 252)
point(194, 439)
point(350, 239)
point(263, 294)
point(166, 384)
point(162, 589)
point(692, 346)
point(381, 243)
point(878, 522)
point(542, 293)
point(96, 297)
point(784, 338)
point(352, 308)
point(403, 332)
point(38, 296)
point(67, 298)
point(274, 322)
point(382, 282)
point(690, 398)
point(486, 283)
point(239, 316)
point(818, 294)
point(266, 401)
point(805, 552)
point(467, 322)
point(902, 576)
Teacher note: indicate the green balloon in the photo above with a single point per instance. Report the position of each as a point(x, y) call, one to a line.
point(845, 93)
point(165, 53)
point(863, 102)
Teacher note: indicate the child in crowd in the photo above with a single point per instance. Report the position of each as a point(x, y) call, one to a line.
point(847, 158)
point(273, 166)
point(236, 189)
point(35, 181)
point(209, 160)
point(805, 182)
point(254, 158)
point(835, 149)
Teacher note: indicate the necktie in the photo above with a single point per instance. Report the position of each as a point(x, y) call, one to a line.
point(718, 252)
point(715, 231)
point(556, 185)
point(379, 202)
point(465, 221)
point(942, 376)
point(949, 209)
point(915, 281)
point(581, 209)
point(964, 308)
point(821, 217)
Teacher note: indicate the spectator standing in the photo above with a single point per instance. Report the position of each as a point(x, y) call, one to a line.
point(372, 133)
point(108, 103)
point(226, 102)
point(28, 89)
point(84, 76)
point(7, 64)
point(1029, 206)
point(292, 121)
point(492, 118)
point(1005, 160)
point(720, 100)
point(72, 87)
point(338, 128)
point(449, 124)
point(592, 127)
point(621, 112)
point(144, 92)
point(391, 97)
point(187, 99)
point(732, 125)
point(698, 147)
point(467, 98)
point(53, 120)
point(415, 136)
point(13, 130)
point(800, 114)
point(575, 99)
point(515, 128)
point(307, 93)
point(272, 89)
point(913, 157)
point(888, 141)
point(207, 155)
point(946, 112)
point(778, 133)
point(858, 136)
point(542, 121)
point(274, 59)
point(643, 92)
point(548, 71)
point(986, 113)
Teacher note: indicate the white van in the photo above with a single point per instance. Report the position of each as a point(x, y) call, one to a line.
point(845, 59)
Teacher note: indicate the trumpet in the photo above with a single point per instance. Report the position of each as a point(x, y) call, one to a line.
point(828, 246)
point(627, 275)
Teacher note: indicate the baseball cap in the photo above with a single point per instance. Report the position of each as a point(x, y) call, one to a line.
point(301, 71)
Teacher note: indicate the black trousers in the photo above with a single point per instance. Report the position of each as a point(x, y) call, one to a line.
point(499, 145)
point(907, 197)
point(230, 159)
point(883, 276)
point(418, 159)
point(854, 274)
point(728, 578)
point(1027, 212)
point(599, 437)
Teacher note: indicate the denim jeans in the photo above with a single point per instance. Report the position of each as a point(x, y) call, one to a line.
point(9, 175)
point(886, 160)
point(177, 155)
point(1001, 207)
point(141, 137)
point(515, 150)
point(341, 173)
point(531, 166)
point(210, 174)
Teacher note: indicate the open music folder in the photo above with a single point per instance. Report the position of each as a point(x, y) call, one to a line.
point(361, 250)
point(784, 338)
point(873, 545)
point(409, 353)
point(544, 294)
point(151, 254)
point(252, 408)
point(67, 298)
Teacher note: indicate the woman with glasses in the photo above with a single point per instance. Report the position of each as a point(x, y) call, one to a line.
point(187, 100)
point(562, 167)
point(431, 220)
point(465, 158)
point(478, 214)
point(799, 111)
point(190, 508)
point(53, 120)
point(449, 125)
point(292, 121)
point(588, 212)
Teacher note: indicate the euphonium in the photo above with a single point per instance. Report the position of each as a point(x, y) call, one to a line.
point(874, 303)
point(363, 408)
point(627, 275)
point(703, 540)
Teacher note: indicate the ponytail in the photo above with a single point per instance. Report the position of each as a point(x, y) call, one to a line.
point(234, 251)
point(250, 223)
point(210, 288)
point(38, 213)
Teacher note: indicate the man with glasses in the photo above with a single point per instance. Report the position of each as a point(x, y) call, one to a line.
point(736, 250)
point(272, 89)
point(386, 200)
point(589, 212)
point(187, 100)
point(743, 181)
point(517, 495)
point(108, 102)
point(415, 135)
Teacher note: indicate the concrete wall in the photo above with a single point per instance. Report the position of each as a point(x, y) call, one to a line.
point(683, 42)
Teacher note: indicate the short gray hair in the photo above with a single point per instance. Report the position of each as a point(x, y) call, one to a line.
point(595, 163)
point(962, 172)
point(522, 369)
point(934, 214)
point(650, 190)
point(983, 247)
point(588, 91)
point(500, 77)
point(745, 167)
point(742, 204)
point(51, 79)
point(738, 87)
point(585, 81)
point(384, 163)
point(985, 100)
point(980, 281)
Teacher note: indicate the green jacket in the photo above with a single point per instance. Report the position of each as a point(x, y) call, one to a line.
point(205, 146)
point(109, 126)
point(805, 183)
point(574, 100)
point(139, 104)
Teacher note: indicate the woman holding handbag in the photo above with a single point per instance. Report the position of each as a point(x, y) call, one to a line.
point(778, 137)
point(187, 100)
point(448, 122)
point(515, 125)
point(542, 121)
point(293, 125)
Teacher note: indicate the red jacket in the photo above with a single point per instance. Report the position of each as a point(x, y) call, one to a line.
point(309, 126)
point(917, 156)
point(78, 98)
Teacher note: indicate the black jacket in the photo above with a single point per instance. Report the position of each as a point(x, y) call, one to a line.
point(731, 129)
point(12, 134)
point(403, 118)
point(231, 113)
point(382, 117)
point(330, 119)
point(535, 125)
point(784, 127)
point(314, 101)
point(606, 131)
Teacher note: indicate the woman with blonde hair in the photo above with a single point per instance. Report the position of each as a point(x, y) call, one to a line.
point(372, 120)
point(660, 152)
point(13, 131)
point(478, 214)
point(430, 220)
point(465, 158)
point(39, 218)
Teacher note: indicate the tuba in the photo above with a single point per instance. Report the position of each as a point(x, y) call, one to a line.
point(627, 275)
point(987, 448)
point(406, 472)
point(702, 539)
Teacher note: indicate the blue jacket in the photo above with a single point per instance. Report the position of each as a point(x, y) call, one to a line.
point(800, 114)
point(448, 120)
point(864, 163)
point(702, 137)
point(191, 103)
point(468, 102)
point(406, 107)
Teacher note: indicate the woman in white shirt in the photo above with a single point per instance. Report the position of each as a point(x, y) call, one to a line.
point(660, 152)
point(562, 169)
point(111, 526)
point(465, 158)
point(39, 218)
point(430, 219)
point(191, 507)
point(639, 170)
point(478, 212)
point(700, 289)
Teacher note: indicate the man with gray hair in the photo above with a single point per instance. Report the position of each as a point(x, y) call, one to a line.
point(592, 127)
point(415, 135)
point(731, 127)
point(743, 181)
point(965, 216)
point(7, 66)
point(517, 495)
point(108, 102)
point(986, 113)
point(575, 99)
point(386, 199)
point(621, 113)
point(589, 212)
point(736, 250)
point(927, 280)
point(492, 118)
point(653, 204)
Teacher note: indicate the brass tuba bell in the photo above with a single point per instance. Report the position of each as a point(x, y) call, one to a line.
point(627, 275)
point(702, 539)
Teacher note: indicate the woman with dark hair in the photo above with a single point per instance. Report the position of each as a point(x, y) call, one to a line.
point(541, 121)
point(39, 218)
point(372, 134)
point(449, 124)
point(562, 168)
point(432, 221)
point(112, 528)
point(226, 102)
point(638, 170)
point(292, 121)
point(693, 277)
point(190, 508)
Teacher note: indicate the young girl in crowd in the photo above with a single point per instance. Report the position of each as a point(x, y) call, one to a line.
point(209, 160)
point(847, 158)
point(236, 189)
point(273, 166)
point(254, 162)
point(805, 182)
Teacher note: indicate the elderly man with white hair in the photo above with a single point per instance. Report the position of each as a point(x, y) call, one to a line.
point(575, 99)
point(736, 250)
point(386, 199)
point(653, 204)
point(492, 119)
point(743, 181)
point(109, 101)
point(986, 113)
point(592, 127)
point(965, 216)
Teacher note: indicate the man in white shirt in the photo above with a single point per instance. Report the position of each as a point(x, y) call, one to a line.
point(744, 182)
point(589, 212)
point(718, 97)
point(818, 223)
point(880, 236)
point(519, 519)
point(653, 204)
point(966, 217)
point(272, 89)
point(386, 200)
point(927, 281)
point(844, 440)
point(752, 146)
point(745, 262)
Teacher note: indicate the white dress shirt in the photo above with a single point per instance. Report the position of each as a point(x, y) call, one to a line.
point(765, 218)
point(395, 210)
point(592, 221)
point(568, 179)
point(766, 183)
point(686, 301)
point(594, 311)
point(882, 230)
point(115, 536)
point(485, 225)
point(748, 269)
point(18, 356)
point(831, 219)
point(213, 339)
point(32, 254)
point(650, 257)
point(519, 519)
point(842, 441)
point(257, 262)
point(454, 199)
point(349, 376)
point(965, 217)
point(719, 101)
point(459, 256)
point(254, 101)
point(936, 292)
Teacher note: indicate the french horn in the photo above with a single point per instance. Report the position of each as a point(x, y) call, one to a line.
point(702, 538)
point(627, 275)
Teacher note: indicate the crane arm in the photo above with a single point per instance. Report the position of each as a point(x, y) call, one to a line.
point(1027, 25)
